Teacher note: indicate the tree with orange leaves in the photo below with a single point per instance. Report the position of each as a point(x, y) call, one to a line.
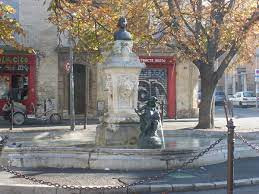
point(94, 22)
point(9, 27)
point(207, 32)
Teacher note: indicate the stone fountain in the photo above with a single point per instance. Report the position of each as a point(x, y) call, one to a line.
point(119, 125)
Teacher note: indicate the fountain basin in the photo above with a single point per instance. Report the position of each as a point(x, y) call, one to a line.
point(113, 159)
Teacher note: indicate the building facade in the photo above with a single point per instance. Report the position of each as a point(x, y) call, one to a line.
point(240, 77)
point(172, 80)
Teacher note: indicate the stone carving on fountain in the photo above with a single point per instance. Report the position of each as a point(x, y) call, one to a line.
point(127, 85)
point(121, 69)
point(108, 83)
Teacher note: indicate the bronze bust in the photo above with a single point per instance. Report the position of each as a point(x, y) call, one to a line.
point(122, 33)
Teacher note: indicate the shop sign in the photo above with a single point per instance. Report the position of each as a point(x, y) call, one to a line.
point(15, 59)
point(14, 68)
point(153, 60)
point(161, 60)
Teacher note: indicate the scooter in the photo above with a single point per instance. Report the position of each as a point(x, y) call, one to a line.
point(20, 113)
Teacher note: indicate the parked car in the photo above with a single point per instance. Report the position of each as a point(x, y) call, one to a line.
point(219, 97)
point(244, 99)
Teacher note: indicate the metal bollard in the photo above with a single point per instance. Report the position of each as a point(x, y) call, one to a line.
point(226, 110)
point(85, 119)
point(230, 162)
point(12, 111)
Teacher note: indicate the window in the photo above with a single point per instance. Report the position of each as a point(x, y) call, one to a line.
point(249, 94)
point(220, 93)
point(4, 86)
point(19, 87)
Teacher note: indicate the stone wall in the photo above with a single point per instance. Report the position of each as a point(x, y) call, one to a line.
point(42, 37)
point(186, 89)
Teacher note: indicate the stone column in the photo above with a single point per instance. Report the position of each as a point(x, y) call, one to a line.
point(119, 125)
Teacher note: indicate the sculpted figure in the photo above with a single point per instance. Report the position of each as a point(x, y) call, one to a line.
point(122, 33)
point(150, 122)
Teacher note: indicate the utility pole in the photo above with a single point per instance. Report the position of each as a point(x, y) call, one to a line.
point(256, 81)
point(71, 84)
point(71, 77)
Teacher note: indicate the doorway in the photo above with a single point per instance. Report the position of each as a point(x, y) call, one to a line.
point(80, 88)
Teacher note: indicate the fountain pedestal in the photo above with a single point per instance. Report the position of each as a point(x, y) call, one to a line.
point(120, 124)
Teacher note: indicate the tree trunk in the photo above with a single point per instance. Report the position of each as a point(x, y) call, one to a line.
point(206, 112)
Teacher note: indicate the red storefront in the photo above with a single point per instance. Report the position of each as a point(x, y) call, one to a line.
point(17, 76)
point(160, 76)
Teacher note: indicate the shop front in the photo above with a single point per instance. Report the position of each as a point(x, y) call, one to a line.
point(17, 79)
point(159, 79)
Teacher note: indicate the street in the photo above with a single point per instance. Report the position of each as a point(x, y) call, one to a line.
point(241, 190)
point(238, 112)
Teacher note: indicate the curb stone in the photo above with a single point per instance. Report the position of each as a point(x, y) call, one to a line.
point(198, 186)
point(139, 188)
point(182, 187)
point(161, 188)
point(38, 189)
point(204, 186)
point(242, 182)
point(255, 181)
point(220, 184)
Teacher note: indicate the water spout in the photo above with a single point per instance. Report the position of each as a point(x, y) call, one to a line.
point(162, 136)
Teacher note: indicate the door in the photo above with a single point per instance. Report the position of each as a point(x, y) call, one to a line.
point(80, 85)
point(153, 82)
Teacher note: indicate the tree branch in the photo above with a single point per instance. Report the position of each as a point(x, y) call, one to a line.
point(171, 8)
point(230, 6)
point(236, 44)
point(97, 22)
point(195, 33)
point(184, 20)
point(224, 64)
point(217, 17)
point(158, 8)
point(184, 48)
